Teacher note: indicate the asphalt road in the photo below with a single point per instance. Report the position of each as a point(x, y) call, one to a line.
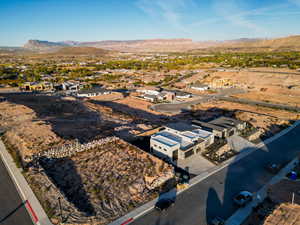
point(213, 196)
point(12, 209)
point(178, 107)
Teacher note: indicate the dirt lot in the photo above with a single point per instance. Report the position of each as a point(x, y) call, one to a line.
point(129, 108)
point(265, 84)
point(277, 210)
point(266, 119)
point(27, 133)
point(258, 116)
point(35, 123)
point(273, 97)
point(99, 184)
point(285, 214)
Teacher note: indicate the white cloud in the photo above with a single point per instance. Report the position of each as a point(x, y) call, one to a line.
point(182, 14)
point(230, 11)
point(171, 11)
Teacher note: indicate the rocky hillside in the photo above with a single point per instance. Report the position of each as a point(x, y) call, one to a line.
point(175, 45)
point(151, 45)
point(43, 45)
point(291, 43)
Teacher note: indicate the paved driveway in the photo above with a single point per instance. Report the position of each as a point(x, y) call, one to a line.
point(213, 196)
point(195, 164)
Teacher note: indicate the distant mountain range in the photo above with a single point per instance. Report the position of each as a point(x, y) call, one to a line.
point(290, 43)
point(151, 45)
point(166, 45)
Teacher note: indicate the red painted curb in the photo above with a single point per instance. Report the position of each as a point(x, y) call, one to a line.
point(33, 215)
point(127, 221)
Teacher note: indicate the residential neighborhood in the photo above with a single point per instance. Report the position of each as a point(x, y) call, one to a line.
point(150, 112)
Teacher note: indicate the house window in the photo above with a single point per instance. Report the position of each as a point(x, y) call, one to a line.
point(189, 153)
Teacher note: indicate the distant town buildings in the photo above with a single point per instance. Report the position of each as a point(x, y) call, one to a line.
point(221, 83)
point(200, 87)
point(153, 94)
point(92, 92)
point(37, 86)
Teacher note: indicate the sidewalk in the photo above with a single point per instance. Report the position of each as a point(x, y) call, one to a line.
point(242, 213)
point(33, 205)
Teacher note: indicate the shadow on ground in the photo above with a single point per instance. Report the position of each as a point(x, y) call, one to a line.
point(245, 174)
point(64, 175)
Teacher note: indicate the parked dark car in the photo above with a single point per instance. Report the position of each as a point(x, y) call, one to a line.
point(164, 204)
point(242, 198)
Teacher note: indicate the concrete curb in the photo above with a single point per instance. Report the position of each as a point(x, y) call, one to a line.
point(33, 205)
point(128, 218)
point(243, 213)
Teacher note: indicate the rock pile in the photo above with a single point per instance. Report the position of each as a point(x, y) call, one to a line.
point(69, 150)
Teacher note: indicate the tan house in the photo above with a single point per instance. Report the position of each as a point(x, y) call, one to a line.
point(37, 86)
point(221, 83)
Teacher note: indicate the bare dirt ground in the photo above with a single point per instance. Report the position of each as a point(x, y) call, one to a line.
point(282, 191)
point(285, 214)
point(25, 131)
point(265, 119)
point(265, 84)
point(95, 186)
point(35, 123)
point(137, 104)
point(272, 96)
point(277, 209)
point(100, 184)
point(128, 116)
point(130, 108)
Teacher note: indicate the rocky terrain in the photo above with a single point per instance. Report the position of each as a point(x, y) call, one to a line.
point(99, 184)
point(34, 123)
point(285, 214)
point(72, 155)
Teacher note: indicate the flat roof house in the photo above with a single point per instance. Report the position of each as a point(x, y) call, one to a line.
point(199, 87)
point(151, 98)
point(180, 140)
point(92, 92)
point(222, 127)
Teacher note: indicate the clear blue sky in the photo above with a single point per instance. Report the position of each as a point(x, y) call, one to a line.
point(92, 20)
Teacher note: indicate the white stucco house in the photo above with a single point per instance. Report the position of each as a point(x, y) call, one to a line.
point(180, 141)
